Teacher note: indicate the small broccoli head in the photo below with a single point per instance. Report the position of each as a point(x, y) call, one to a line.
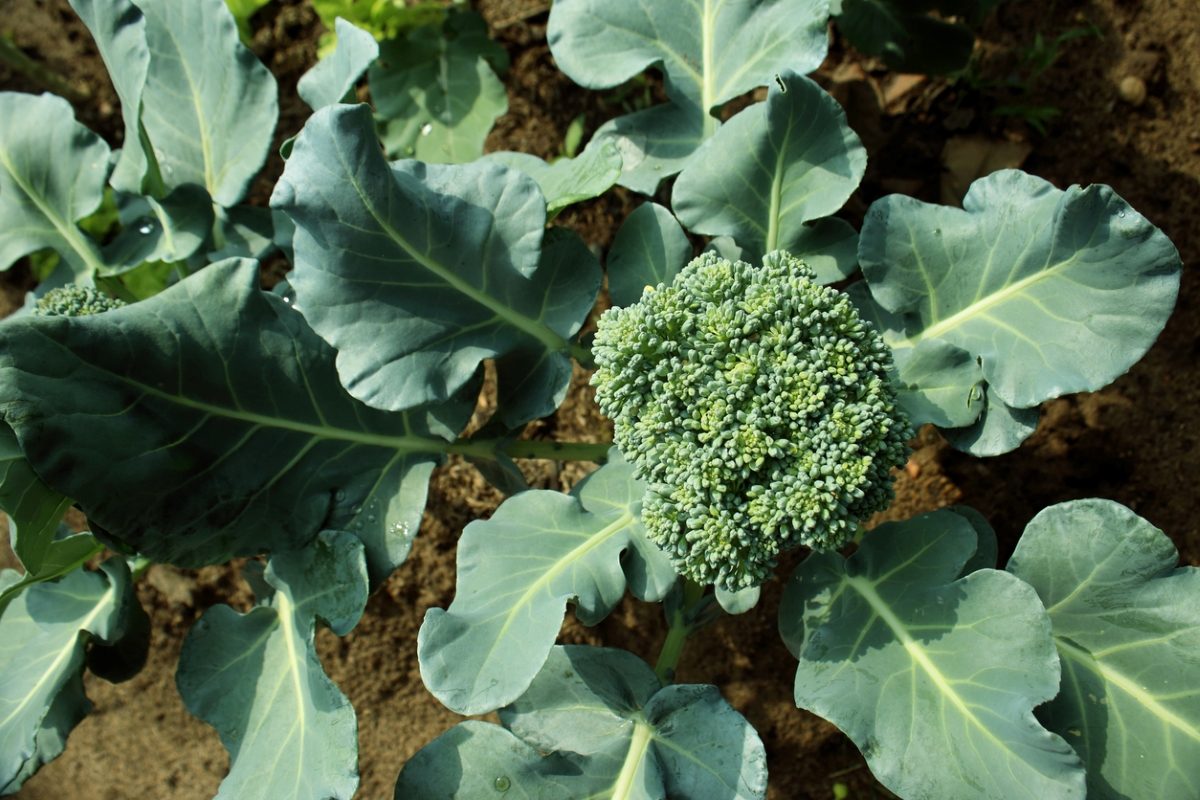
point(756, 405)
point(74, 301)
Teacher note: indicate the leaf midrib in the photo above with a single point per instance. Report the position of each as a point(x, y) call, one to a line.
point(65, 229)
point(537, 330)
point(1111, 676)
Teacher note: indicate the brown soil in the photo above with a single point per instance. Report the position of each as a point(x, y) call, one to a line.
point(1133, 442)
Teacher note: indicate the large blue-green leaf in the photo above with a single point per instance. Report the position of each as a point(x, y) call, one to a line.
point(568, 180)
point(52, 174)
point(1054, 291)
point(650, 248)
point(44, 636)
point(209, 107)
point(516, 573)
point(436, 92)
point(935, 679)
point(608, 728)
point(256, 678)
point(1126, 622)
point(417, 272)
point(771, 169)
point(208, 422)
point(334, 76)
point(119, 30)
point(710, 52)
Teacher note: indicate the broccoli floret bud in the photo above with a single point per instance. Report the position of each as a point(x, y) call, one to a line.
point(74, 301)
point(756, 405)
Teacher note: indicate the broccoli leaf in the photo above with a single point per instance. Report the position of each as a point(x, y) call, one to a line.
point(334, 76)
point(999, 429)
point(568, 180)
point(33, 508)
point(1054, 291)
point(516, 573)
point(650, 249)
point(415, 272)
point(256, 677)
point(609, 729)
point(52, 174)
point(935, 679)
point(772, 168)
point(209, 107)
point(709, 52)
point(119, 30)
point(1126, 622)
point(170, 229)
point(44, 636)
point(908, 39)
point(208, 422)
point(436, 92)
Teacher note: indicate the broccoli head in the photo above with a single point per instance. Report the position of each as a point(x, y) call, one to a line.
point(74, 301)
point(756, 405)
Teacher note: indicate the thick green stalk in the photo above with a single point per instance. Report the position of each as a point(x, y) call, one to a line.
point(555, 451)
point(677, 637)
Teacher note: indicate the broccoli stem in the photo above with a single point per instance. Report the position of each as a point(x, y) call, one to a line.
point(555, 451)
point(677, 636)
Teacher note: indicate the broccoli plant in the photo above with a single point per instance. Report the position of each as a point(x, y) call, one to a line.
point(756, 410)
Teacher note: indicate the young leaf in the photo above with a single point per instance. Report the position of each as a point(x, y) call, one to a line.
point(209, 105)
point(771, 169)
point(710, 52)
point(170, 229)
point(208, 422)
point(256, 678)
point(649, 249)
point(516, 574)
point(1055, 291)
point(935, 679)
point(415, 272)
point(436, 92)
point(610, 729)
point(52, 174)
point(119, 30)
point(568, 180)
point(33, 508)
point(333, 77)
point(44, 634)
point(999, 429)
point(1126, 622)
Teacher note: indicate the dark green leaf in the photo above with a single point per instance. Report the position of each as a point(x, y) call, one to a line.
point(416, 272)
point(650, 248)
point(208, 422)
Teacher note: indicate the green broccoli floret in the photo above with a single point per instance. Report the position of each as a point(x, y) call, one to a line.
point(74, 301)
point(756, 405)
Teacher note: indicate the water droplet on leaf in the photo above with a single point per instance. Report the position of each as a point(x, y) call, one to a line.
point(502, 783)
point(146, 228)
point(427, 129)
point(370, 518)
point(341, 495)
